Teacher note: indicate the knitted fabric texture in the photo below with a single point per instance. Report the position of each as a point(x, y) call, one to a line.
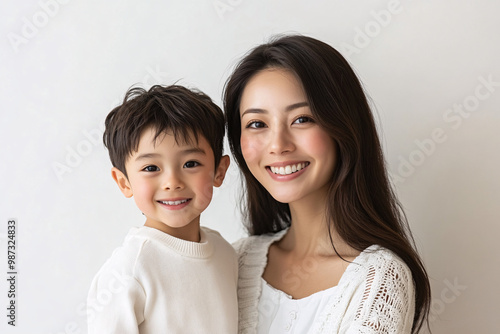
point(375, 294)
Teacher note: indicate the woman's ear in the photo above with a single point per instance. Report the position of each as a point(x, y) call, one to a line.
point(221, 170)
point(122, 182)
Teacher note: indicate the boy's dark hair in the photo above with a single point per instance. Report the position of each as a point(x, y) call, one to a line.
point(176, 109)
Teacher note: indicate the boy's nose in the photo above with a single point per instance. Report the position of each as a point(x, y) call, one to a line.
point(172, 182)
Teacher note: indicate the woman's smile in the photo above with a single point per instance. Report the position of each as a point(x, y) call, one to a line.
point(285, 168)
point(284, 147)
point(286, 171)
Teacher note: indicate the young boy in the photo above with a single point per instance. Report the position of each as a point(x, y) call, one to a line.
point(170, 275)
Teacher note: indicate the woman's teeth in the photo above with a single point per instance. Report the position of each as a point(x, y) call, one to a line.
point(174, 202)
point(286, 170)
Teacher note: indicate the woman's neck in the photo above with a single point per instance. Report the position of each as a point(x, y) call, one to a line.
point(308, 234)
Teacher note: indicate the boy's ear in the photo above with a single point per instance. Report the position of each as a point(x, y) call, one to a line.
point(221, 170)
point(122, 182)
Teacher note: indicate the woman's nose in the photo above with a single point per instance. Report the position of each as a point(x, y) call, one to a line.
point(281, 141)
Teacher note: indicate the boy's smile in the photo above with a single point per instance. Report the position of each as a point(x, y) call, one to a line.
point(171, 181)
point(175, 204)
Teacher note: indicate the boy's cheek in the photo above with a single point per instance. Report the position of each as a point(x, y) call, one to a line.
point(207, 189)
point(142, 192)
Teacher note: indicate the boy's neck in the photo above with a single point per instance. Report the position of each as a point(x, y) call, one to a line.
point(190, 232)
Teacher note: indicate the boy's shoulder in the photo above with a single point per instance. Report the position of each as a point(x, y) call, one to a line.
point(124, 258)
point(209, 231)
point(217, 239)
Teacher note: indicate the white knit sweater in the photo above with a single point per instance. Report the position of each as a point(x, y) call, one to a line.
point(375, 294)
point(156, 283)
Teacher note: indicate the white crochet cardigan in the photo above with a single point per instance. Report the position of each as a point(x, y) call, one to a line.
point(375, 294)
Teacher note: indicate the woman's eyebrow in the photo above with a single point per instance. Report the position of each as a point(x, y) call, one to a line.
point(254, 111)
point(263, 111)
point(296, 106)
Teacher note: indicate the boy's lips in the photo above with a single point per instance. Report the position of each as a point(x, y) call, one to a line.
point(174, 203)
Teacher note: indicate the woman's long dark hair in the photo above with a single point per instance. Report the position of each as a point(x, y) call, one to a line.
point(361, 202)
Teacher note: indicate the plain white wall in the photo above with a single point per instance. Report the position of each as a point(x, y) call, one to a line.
point(431, 68)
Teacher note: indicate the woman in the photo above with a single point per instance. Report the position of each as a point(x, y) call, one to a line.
point(330, 251)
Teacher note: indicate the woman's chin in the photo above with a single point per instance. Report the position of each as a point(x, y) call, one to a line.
point(284, 197)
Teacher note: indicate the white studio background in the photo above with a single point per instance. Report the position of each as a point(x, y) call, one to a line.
point(431, 68)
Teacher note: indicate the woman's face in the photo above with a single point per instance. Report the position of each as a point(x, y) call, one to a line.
point(283, 145)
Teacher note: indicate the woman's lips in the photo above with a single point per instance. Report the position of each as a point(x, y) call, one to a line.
point(285, 171)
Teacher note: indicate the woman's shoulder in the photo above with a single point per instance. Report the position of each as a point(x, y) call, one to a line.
point(380, 260)
point(378, 266)
point(382, 292)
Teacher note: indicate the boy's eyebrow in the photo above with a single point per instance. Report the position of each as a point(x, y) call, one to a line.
point(288, 108)
point(183, 152)
point(146, 156)
point(193, 150)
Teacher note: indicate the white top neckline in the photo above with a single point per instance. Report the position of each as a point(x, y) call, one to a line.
point(278, 292)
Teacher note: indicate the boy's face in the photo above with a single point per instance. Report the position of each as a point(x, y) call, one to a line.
point(171, 183)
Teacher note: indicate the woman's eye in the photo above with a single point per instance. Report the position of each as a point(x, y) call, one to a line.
point(255, 125)
point(191, 164)
point(151, 168)
point(303, 119)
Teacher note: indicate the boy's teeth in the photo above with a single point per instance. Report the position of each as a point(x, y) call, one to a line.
point(174, 202)
point(288, 169)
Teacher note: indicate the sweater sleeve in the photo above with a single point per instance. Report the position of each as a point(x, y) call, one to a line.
point(115, 304)
point(386, 299)
point(239, 245)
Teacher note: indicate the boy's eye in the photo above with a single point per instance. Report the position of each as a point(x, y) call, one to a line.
point(303, 119)
point(151, 168)
point(255, 125)
point(191, 164)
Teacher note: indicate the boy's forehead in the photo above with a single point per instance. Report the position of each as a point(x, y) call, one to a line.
point(151, 140)
point(155, 137)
